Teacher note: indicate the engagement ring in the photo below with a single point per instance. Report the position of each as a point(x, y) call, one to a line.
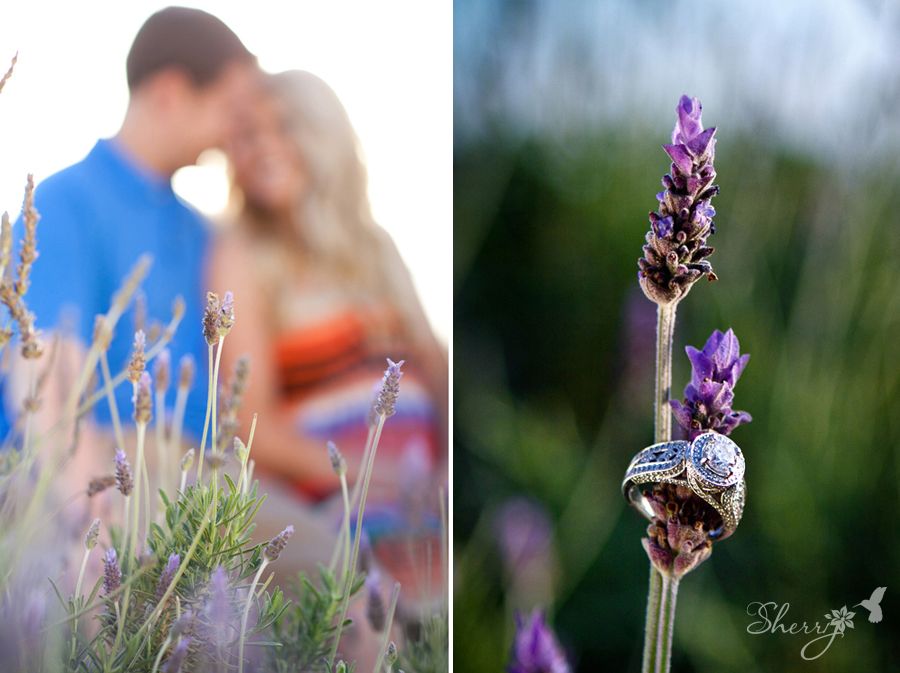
point(712, 467)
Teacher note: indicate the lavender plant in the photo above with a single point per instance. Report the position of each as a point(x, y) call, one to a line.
point(183, 587)
point(682, 530)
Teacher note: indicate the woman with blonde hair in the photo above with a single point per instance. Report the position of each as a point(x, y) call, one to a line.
point(322, 298)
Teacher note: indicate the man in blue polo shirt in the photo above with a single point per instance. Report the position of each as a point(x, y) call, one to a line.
point(187, 74)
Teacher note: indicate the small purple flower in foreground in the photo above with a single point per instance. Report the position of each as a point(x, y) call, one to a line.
point(375, 610)
point(112, 574)
point(124, 476)
point(536, 649)
point(176, 659)
point(279, 542)
point(386, 399)
point(676, 251)
point(710, 394)
point(167, 575)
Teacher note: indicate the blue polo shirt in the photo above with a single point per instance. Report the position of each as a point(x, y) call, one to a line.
point(97, 218)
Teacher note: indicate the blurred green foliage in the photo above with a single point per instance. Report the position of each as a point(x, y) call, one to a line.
point(553, 394)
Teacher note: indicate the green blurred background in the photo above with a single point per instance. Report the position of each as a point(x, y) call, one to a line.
point(560, 111)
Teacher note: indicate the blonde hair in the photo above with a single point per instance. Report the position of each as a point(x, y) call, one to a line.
point(334, 230)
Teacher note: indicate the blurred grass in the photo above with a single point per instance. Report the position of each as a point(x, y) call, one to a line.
point(553, 395)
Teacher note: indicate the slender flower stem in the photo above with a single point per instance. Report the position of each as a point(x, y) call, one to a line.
point(111, 400)
point(668, 599)
point(200, 454)
point(650, 628)
point(162, 450)
point(662, 590)
point(214, 439)
point(262, 566)
point(178, 418)
point(665, 329)
point(342, 544)
point(354, 555)
point(389, 622)
point(135, 511)
point(76, 597)
point(159, 655)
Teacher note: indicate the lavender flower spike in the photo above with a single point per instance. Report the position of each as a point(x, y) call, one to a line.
point(338, 462)
point(166, 576)
point(112, 574)
point(90, 538)
point(386, 400)
point(708, 397)
point(143, 400)
point(676, 251)
point(279, 542)
point(138, 362)
point(536, 649)
point(176, 659)
point(124, 475)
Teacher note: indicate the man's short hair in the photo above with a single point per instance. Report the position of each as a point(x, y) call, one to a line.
point(191, 40)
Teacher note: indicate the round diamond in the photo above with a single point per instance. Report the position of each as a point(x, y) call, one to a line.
point(720, 456)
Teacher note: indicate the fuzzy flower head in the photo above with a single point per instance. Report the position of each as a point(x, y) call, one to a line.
point(167, 575)
point(112, 574)
point(162, 370)
point(124, 475)
point(375, 609)
point(176, 658)
point(186, 371)
point(536, 649)
point(211, 318)
point(90, 538)
point(715, 371)
point(676, 251)
point(187, 460)
point(279, 542)
point(226, 314)
point(338, 463)
point(143, 399)
point(138, 362)
point(386, 400)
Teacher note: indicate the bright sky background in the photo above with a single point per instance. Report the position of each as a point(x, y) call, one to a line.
point(390, 63)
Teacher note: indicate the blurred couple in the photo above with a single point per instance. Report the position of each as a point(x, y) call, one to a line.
point(321, 293)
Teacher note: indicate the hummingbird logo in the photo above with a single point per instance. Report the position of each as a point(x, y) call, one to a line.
point(873, 604)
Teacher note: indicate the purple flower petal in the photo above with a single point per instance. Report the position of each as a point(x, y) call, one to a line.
point(680, 157)
point(689, 124)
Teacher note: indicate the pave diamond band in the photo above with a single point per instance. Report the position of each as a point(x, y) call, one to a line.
point(712, 467)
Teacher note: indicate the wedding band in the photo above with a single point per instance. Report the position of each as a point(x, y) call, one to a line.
point(712, 467)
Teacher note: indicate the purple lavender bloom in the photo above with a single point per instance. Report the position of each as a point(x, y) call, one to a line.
point(524, 532)
point(715, 371)
point(536, 649)
point(167, 575)
point(219, 609)
point(178, 655)
point(386, 400)
point(124, 476)
point(676, 251)
point(277, 544)
point(112, 574)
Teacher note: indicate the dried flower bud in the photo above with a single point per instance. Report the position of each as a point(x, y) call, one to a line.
point(279, 542)
point(100, 484)
point(375, 610)
point(143, 400)
point(167, 575)
point(186, 370)
point(102, 332)
point(386, 400)
point(112, 574)
point(124, 476)
point(211, 318)
point(216, 460)
point(187, 460)
point(240, 450)
point(90, 538)
point(162, 370)
point(678, 537)
point(178, 308)
point(5, 241)
point(391, 655)
point(28, 252)
point(226, 315)
point(338, 464)
point(138, 362)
